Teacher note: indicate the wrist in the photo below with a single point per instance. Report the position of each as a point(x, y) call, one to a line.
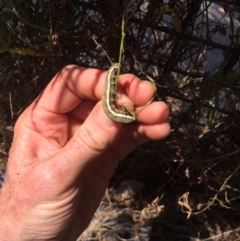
point(8, 224)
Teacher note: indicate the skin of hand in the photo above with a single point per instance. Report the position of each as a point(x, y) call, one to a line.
point(64, 151)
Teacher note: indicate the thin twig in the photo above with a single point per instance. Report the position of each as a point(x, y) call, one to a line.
point(100, 46)
point(10, 104)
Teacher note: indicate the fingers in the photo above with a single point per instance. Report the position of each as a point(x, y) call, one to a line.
point(156, 112)
point(153, 124)
point(154, 119)
point(92, 139)
point(69, 87)
point(100, 136)
point(138, 91)
point(86, 127)
point(73, 84)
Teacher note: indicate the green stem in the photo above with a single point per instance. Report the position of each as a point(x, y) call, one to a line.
point(122, 43)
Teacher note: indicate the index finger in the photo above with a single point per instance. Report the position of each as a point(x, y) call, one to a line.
point(73, 84)
point(69, 87)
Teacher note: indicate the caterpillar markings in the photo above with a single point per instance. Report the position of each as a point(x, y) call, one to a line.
point(114, 110)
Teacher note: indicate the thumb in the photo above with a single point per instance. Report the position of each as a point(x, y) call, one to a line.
point(91, 140)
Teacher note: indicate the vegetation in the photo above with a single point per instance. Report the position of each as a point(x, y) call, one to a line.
point(193, 55)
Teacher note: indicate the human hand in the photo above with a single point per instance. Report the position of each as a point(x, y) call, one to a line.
point(64, 151)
